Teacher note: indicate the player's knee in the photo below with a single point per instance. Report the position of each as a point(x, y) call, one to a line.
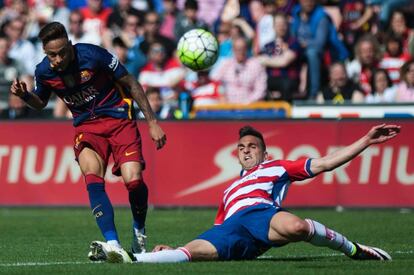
point(93, 178)
point(134, 184)
point(298, 228)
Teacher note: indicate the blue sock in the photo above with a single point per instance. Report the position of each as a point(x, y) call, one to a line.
point(102, 210)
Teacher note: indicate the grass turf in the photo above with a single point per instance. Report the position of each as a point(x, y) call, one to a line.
point(56, 241)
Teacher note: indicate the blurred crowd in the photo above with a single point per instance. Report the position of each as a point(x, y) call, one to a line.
point(326, 51)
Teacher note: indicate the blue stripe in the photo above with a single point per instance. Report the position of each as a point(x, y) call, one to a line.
point(307, 167)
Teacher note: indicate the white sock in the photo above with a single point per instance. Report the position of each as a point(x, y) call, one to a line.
point(178, 255)
point(320, 235)
point(114, 243)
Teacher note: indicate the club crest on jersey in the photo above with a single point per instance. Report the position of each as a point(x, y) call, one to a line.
point(85, 76)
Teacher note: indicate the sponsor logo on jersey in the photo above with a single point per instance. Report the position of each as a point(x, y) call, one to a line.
point(114, 63)
point(81, 97)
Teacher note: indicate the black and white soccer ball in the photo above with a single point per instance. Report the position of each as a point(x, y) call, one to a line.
point(198, 49)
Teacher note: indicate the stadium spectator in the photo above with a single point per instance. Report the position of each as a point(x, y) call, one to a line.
point(131, 36)
point(244, 78)
point(13, 9)
point(133, 64)
point(168, 18)
point(356, 17)
point(209, 11)
point(387, 7)
point(251, 218)
point(281, 60)
point(95, 16)
point(405, 90)
point(161, 110)
point(119, 14)
point(367, 58)
point(394, 57)
point(383, 90)
point(285, 6)
point(21, 49)
point(75, 30)
point(45, 11)
point(163, 72)
point(398, 27)
point(188, 20)
point(265, 32)
point(100, 98)
point(312, 27)
point(11, 106)
point(205, 91)
point(340, 88)
point(151, 35)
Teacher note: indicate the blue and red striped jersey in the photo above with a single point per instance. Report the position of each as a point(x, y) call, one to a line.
point(88, 86)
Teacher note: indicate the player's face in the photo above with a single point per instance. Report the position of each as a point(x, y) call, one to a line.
point(59, 52)
point(250, 152)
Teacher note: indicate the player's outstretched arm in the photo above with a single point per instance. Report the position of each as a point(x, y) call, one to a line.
point(138, 94)
point(19, 88)
point(377, 134)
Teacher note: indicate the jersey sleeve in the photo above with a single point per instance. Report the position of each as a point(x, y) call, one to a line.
point(40, 89)
point(297, 170)
point(110, 63)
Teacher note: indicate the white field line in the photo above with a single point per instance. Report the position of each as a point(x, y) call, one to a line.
point(43, 264)
point(261, 257)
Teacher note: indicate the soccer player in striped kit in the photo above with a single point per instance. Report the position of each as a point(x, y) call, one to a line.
point(99, 92)
point(251, 220)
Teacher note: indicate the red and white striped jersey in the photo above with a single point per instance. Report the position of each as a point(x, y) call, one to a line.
point(393, 65)
point(266, 183)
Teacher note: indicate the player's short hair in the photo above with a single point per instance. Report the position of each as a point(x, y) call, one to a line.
point(52, 31)
point(119, 42)
point(250, 131)
point(191, 5)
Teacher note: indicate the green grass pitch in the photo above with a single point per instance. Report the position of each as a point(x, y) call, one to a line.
point(56, 241)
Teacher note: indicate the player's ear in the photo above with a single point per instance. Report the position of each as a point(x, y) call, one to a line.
point(266, 155)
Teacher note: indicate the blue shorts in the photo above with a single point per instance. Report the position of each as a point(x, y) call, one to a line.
point(244, 235)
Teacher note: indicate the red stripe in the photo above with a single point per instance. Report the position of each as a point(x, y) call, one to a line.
point(251, 182)
point(243, 207)
point(185, 250)
point(56, 84)
point(251, 195)
point(92, 178)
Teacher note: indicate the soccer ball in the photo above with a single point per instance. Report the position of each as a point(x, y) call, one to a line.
point(197, 49)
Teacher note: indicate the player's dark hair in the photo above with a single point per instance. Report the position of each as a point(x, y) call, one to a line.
point(118, 41)
point(191, 5)
point(250, 131)
point(52, 31)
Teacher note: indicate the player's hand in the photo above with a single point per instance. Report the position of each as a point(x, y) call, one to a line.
point(157, 135)
point(161, 247)
point(18, 88)
point(382, 133)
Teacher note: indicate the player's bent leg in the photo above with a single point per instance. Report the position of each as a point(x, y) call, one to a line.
point(202, 250)
point(138, 199)
point(197, 250)
point(93, 167)
point(91, 163)
point(286, 227)
point(320, 235)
